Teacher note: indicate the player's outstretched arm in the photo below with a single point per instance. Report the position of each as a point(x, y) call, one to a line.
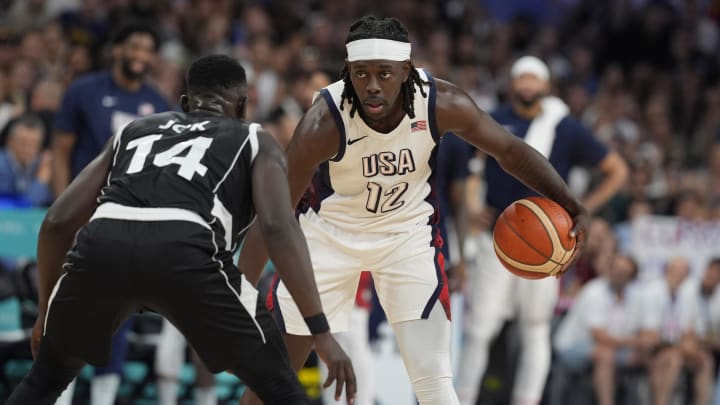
point(314, 141)
point(62, 147)
point(288, 250)
point(69, 212)
point(456, 112)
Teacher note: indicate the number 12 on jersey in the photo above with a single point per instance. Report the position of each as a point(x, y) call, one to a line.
point(189, 164)
point(386, 200)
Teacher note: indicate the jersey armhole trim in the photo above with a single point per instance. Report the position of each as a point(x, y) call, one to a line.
point(431, 108)
point(338, 121)
point(253, 137)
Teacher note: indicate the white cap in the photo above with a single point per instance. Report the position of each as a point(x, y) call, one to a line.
point(532, 66)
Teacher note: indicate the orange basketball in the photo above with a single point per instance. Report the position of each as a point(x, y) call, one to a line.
point(532, 238)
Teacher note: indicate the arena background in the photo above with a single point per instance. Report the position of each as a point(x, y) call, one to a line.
point(642, 74)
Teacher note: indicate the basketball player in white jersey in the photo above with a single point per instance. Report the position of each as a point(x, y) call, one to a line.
point(369, 144)
point(543, 122)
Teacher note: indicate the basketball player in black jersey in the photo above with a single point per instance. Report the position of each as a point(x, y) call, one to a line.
point(176, 193)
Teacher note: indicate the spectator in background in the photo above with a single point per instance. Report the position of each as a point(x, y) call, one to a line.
point(24, 167)
point(98, 105)
point(669, 310)
point(55, 51)
point(93, 109)
point(45, 102)
point(543, 122)
point(708, 294)
point(20, 81)
point(601, 328)
point(79, 63)
point(23, 14)
point(8, 110)
point(623, 231)
point(601, 246)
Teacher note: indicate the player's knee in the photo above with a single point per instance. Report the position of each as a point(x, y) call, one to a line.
point(425, 368)
point(433, 390)
point(280, 393)
point(52, 373)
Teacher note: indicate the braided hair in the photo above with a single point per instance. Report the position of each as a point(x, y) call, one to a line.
point(371, 27)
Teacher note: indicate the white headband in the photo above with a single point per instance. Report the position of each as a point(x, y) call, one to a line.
point(378, 49)
point(530, 65)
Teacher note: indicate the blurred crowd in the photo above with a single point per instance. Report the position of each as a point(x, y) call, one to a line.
point(644, 75)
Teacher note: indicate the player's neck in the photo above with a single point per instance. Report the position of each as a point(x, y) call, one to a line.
point(528, 112)
point(124, 82)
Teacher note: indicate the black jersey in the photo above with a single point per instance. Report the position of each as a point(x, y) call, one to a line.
point(197, 162)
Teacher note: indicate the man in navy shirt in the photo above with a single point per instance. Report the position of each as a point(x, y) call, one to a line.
point(94, 108)
point(97, 105)
point(544, 123)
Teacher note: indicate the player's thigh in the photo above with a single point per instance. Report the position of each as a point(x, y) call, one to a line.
point(337, 274)
point(91, 299)
point(490, 294)
point(536, 299)
point(81, 322)
point(218, 312)
point(337, 288)
point(410, 288)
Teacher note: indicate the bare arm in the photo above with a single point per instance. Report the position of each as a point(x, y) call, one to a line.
point(281, 231)
point(62, 147)
point(456, 112)
point(69, 212)
point(615, 172)
point(316, 139)
point(288, 250)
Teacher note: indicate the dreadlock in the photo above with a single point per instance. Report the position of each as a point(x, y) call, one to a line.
point(370, 27)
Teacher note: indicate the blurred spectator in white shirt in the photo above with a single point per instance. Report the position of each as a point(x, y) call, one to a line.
point(669, 314)
point(601, 328)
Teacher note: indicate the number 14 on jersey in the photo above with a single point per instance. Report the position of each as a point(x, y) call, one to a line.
point(189, 164)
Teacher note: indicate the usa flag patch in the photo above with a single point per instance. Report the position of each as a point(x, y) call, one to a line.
point(418, 126)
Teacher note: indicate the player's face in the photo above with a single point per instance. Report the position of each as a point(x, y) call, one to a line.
point(377, 84)
point(136, 55)
point(528, 89)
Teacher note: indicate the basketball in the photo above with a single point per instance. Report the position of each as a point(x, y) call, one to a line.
point(532, 238)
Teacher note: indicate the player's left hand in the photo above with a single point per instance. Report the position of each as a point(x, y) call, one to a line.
point(37, 334)
point(339, 366)
point(581, 224)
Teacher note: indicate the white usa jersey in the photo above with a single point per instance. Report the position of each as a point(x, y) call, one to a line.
point(378, 182)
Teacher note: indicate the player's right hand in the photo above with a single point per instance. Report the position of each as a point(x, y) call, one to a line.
point(339, 366)
point(581, 224)
point(37, 334)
